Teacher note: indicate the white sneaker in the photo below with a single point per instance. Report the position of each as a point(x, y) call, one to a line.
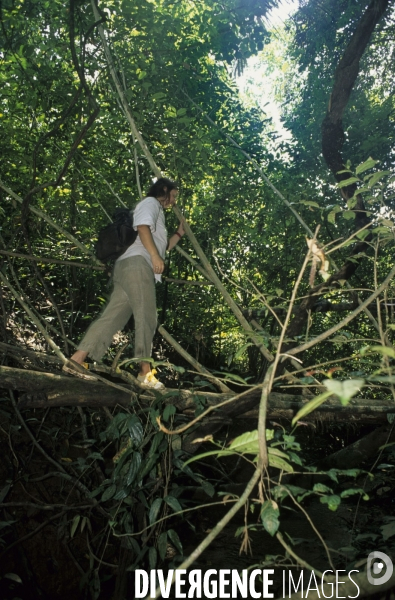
point(149, 381)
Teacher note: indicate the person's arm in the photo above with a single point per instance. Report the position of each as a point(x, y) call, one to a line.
point(175, 238)
point(147, 240)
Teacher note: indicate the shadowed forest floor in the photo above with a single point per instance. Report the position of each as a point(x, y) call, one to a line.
point(51, 565)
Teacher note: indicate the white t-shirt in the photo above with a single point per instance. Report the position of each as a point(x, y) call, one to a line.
point(149, 212)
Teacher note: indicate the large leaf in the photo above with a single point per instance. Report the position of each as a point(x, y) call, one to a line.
point(162, 545)
point(74, 525)
point(368, 164)
point(135, 428)
point(345, 390)
point(279, 463)
point(383, 350)
point(134, 467)
point(270, 516)
point(175, 539)
point(310, 406)
point(217, 453)
point(247, 443)
point(154, 510)
point(109, 493)
point(152, 557)
point(348, 181)
point(173, 503)
point(388, 531)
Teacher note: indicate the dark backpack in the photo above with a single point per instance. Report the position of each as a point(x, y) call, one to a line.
point(115, 238)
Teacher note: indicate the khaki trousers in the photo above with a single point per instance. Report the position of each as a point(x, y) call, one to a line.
point(133, 293)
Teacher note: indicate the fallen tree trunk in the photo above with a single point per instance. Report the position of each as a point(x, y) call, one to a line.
point(43, 390)
point(50, 389)
point(360, 451)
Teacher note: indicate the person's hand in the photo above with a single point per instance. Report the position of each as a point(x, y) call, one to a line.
point(181, 229)
point(157, 264)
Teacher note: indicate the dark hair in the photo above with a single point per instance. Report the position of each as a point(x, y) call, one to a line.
point(162, 187)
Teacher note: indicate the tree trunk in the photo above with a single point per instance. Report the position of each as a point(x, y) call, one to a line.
point(332, 144)
point(43, 390)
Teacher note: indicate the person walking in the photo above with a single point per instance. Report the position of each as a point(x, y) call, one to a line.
point(135, 273)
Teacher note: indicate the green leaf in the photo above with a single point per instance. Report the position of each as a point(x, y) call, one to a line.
point(351, 203)
point(241, 350)
point(4, 492)
point(158, 437)
point(279, 463)
point(348, 181)
point(277, 452)
point(383, 350)
point(295, 458)
point(122, 493)
point(270, 516)
point(162, 545)
point(171, 112)
point(74, 525)
point(109, 493)
point(309, 203)
point(348, 214)
point(217, 453)
point(332, 474)
point(231, 376)
point(388, 530)
point(83, 523)
point(270, 434)
point(208, 488)
point(135, 428)
point(152, 557)
point(368, 164)
point(339, 339)
point(282, 491)
point(353, 491)
point(173, 503)
point(382, 378)
point(122, 460)
point(154, 510)
point(345, 390)
point(333, 213)
point(361, 235)
point(175, 539)
point(386, 223)
point(134, 467)
point(320, 488)
point(4, 524)
point(310, 406)
point(373, 179)
point(332, 501)
point(246, 443)
point(168, 412)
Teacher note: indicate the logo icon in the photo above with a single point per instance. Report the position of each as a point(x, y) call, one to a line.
point(379, 564)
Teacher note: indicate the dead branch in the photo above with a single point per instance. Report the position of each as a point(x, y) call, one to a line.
point(192, 361)
point(52, 261)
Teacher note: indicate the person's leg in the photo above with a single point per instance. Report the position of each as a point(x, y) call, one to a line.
point(114, 317)
point(79, 356)
point(140, 290)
